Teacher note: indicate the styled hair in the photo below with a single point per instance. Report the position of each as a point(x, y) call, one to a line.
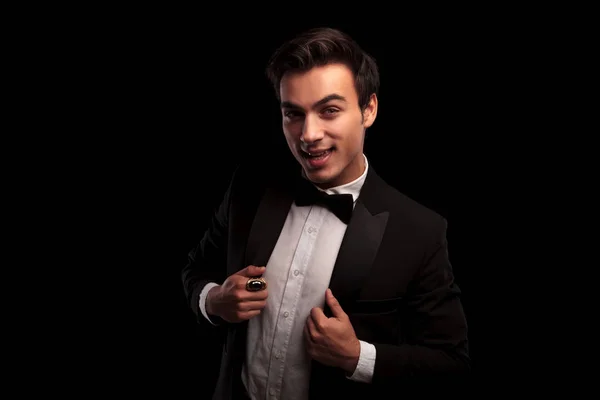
point(321, 46)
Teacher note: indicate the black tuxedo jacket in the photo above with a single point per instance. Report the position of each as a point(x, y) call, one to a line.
point(392, 277)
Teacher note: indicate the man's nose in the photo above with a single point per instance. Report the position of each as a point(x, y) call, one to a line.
point(312, 131)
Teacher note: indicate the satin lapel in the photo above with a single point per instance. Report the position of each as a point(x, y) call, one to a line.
point(357, 252)
point(355, 258)
point(268, 223)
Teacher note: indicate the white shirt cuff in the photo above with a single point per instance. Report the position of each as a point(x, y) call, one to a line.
point(203, 295)
point(366, 363)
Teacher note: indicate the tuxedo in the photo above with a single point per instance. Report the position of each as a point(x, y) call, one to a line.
point(391, 275)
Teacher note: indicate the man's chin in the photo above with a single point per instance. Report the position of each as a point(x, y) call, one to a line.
point(322, 176)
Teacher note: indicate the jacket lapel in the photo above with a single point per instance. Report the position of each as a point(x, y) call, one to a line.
point(360, 244)
point(264, 232)
point(355, 258)
point(267, 225)
point(357, 252)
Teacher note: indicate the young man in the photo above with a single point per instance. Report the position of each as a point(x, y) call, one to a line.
point(357, 296)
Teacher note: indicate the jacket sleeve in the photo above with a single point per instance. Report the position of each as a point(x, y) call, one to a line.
point(207, 261)
point(434, 342)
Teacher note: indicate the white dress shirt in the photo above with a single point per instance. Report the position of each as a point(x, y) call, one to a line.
point(277, 365)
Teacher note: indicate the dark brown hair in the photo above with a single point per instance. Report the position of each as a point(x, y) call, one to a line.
point(322, 46)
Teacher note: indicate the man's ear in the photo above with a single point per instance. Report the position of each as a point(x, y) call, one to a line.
point(370, 112)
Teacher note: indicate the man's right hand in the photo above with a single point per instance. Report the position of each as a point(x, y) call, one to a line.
point(232, 302)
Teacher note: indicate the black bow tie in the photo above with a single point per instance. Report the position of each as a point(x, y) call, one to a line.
point(339, 204)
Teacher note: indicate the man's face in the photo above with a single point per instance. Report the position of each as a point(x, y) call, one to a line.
point(321, 116)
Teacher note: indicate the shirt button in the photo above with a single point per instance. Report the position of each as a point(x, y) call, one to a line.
point(286, 314)
point(296, 272)
point(311, 230)
point(277, 356)
point(272, 392)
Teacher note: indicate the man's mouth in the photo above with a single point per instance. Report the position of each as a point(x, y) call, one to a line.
point(317, 154)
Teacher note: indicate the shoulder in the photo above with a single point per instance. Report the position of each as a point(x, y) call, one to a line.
point(405, 212)
point(415, 212)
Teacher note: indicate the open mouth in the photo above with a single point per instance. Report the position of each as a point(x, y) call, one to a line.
point(319, 158)
point(319, 155)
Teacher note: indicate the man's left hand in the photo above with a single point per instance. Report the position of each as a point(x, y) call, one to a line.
point(332, 341)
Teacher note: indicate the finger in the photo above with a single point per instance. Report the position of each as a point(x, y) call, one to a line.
point(252, 305)
point(315, 324)
point(249, 314)
point(243, 295)
point(334, 305)
point(251, 270)
point(307, 334)
point(318, 318)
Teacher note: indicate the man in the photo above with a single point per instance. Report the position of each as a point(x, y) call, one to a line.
point(357, 296)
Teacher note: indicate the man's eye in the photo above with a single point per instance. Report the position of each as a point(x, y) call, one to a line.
point(291, 114)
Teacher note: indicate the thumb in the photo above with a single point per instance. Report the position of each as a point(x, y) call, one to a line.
point(252, 270)
point(334, 305)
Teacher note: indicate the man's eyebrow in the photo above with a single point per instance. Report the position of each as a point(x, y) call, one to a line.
point(324, 100)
